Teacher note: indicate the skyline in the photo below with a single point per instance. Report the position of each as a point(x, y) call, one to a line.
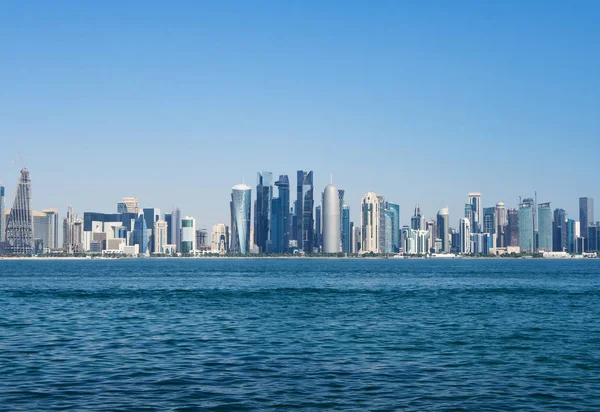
point(423, 103)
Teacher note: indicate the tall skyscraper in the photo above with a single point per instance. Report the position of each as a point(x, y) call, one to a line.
point(544, 227)
point(512, 228)
point(262, 211)
point(501, 222)
point(571, 236)
point(417, 221)
point(176, 228)
point(160, 236)
point(140, 234)
point(331, 220)
point(151, 215)
point(72, 233)
point(382, 225)
point(443, 224)
point(305, 210)
point(476, 216)
point(19, 227)
point(241, 198)
point(586, 215)
point(2, 217)
point(395, 226)
point(202, 242)
point(489, 220)
point(128, 205)
point(341, 193)
point(369, 222)
point(526, 232)
point(346, 230)
point(280, 225)
point(169, 220)
point(318, 227)
point(188, 235)
point(220, 239)
point(559, 231)
point(388, 247)
point(464, 226)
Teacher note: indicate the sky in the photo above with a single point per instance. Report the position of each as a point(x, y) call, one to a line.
point(176, 102)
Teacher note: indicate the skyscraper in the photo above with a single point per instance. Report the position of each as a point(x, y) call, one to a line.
point(262, 211)
point(280, 225)
point(19, 227)
point(140, 234)
point(559, 231)
point(544, 227)
point(241, 197)
point(72, 233)
point(464, 226)
point(160, 236)
point(318, 227)
point(395, 226)
point(2, 217)
point(176, 228)
point(526, 233)
point(511, 235)
point(417, 222)
point(443, 224)
point(188, 235)
point(220, 239)
point(476, 217)
point(305, 210)
point(346, 230)
point(586, 215)
point(369, 222)
point(489, 220)
point(169, 220)
point(500, 224)
point(571, 243)
point(128, 205)
point(331, 220)
point(151, 215)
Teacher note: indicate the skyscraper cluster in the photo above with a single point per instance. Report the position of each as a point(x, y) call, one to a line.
point(269, 222)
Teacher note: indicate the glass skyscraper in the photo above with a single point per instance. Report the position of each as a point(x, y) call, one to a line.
point(586, 215)
point(140, 234)
point(489, 220)
point(346, 230)
point(241, 197)
point(443, 224)
point(395, 226)
point(262, 211)
point(559, 231)
point(305, 210)
point(280, 224)
point(526, 234)
point(544, 227)
point(19, 226)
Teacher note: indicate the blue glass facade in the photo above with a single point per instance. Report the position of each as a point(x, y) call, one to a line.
point(346, 231)
point(169, 219)
point(395, 224)
point(559, 231)
point(305, 203)
point(526, 235)
point(140, 234)
point(280, 226)
point(262, 211)
point(124, 218)
point(544, 228)
point(240, 219)
point(571, 239)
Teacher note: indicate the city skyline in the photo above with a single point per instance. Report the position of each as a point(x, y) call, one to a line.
point(102, 104)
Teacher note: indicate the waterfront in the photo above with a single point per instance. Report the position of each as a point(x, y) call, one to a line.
point(300, 333)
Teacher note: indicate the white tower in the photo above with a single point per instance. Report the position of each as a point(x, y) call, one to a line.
point(331, 220)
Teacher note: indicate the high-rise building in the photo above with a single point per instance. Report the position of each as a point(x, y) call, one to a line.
point(370, 223)
point(176, 229)
point(241, 196)
point(431, 227)
point(357, 240)
point(476, 216)
point(331, 220)
point(160, 234)
point(305, 210)
point(128, 205)
point(169, 220)
point(586, 215)
point(489, 220)
point(346, 230)
point(341, 193)
point(318, 227)
point(382, 225)
point(202, 239)
point(45, 230)
point(443, 224)
point(501, 222)
point(151, 215)
point(262, 211)
point(72, 233)
point(511, 234)
point(559, 231)
point(220, 239)
point(388, 247)
point(544, 227)
point(140, 234)
point(280, 222)
point(188, 235)
point(464, 226)
point(394, 209)
point(19, 227)
point(417, 221)
point(526, 232)
point(2, 217)
point(571, 243)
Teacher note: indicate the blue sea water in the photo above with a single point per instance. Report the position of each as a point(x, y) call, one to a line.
point(283, 334)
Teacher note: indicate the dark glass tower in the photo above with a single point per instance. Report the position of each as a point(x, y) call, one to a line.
point(304, 208)
point(559, 231)
point(140, 233)
point(586, 216)
point(262, 211)
point(280, 227)
point(511, 234)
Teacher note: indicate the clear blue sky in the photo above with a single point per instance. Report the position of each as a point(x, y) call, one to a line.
point(175, 102)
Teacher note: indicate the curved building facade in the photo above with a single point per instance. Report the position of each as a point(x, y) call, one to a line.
point(19, 227)
point(241, 197)
point(331, 220)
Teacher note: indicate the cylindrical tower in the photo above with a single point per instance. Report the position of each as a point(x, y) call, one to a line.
point(331, 220)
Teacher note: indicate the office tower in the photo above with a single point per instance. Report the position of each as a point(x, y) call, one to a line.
point(151, 215)
point(305, 210)
point(2, 217)
point(241, 196)
point(443, 224)
point(526, 232)
point(544, 227)
point(140, 234)
point(417, 222)
point(202, 239)
point(176, 228)
point(394, 210)
point(464, 227)
point(382, 225)
point(592, 237)
point(331, 220)
point(571, 236)
point(559, 231)
point(188, 235)
point(19, 226)
point(586, 215)
point(128, 205)
point(45, 230)
point(262, 211)
point(220, 239)
point(511, 234)
point(160, 236)
point(169, 220)
point(280, 222)
point(318, 227)
point(341, 193)
point(489, 220)
point(501, 222)
point(72, 233)
point(346, 230)
point(476, 216)
point(388, 247)
point(370, 223)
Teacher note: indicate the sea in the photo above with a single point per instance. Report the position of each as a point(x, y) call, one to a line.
point(299, 334)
